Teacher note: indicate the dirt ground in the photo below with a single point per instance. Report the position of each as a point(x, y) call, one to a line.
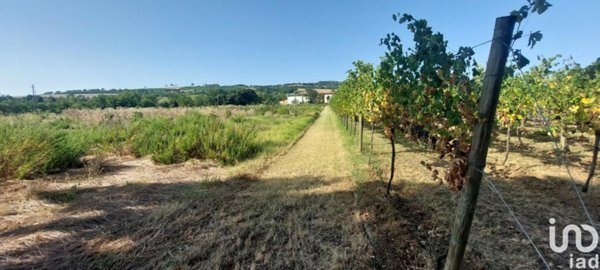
point(534, 183)
point(315, 204)
point(298, 209)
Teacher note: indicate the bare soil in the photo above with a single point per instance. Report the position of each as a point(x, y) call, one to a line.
point(534, 183)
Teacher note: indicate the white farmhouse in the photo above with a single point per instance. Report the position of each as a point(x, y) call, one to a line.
point(301, 96)
point(296, 98)
point(327, 94)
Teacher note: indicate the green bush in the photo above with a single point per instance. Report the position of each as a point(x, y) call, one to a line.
point(31, 148)
point(37, 145)
point(191, 135)
point(283, 110)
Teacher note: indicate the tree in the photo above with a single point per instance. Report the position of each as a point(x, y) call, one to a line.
point(243, 97)
point(313, 96)
point(165, 102)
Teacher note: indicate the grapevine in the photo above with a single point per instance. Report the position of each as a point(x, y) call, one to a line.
point(425, 93)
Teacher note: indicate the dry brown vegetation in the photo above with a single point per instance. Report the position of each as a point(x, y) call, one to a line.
point(96, 116)
point(534, 183)
point(314, 204)
point(297, 212)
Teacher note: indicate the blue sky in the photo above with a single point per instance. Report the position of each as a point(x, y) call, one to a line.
point(84, 44)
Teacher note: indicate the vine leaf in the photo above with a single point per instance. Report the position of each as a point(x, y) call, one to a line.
point(534, 38)
point(518, 35)
point(540, 6)
point(520, 60)
point(521, 13)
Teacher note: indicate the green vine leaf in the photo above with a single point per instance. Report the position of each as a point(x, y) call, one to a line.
point(534, 38)
point(520, 60)
point(540, 6)
point(521, 14)
point(518, 35)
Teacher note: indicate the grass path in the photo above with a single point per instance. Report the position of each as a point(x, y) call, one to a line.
point(306, 208)
point(312, 198)
point(298, 213)
point(318, 153)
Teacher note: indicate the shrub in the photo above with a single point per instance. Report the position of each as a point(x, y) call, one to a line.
point(30, 148)
point(283, 110)
point(34, 145)
point(191, 135)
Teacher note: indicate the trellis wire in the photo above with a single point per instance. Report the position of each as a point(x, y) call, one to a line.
point(546, 123)
point(561, 157)
point(493, 188)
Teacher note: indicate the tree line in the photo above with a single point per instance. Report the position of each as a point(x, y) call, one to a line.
point(190, 96)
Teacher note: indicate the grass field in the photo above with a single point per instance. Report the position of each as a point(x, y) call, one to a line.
point(35, 145)
point(113, 186)
point(305, 199)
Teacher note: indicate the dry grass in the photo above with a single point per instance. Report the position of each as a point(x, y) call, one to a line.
point(121, 115)
point(314, 205)
point(533, 182)
point(299, 212)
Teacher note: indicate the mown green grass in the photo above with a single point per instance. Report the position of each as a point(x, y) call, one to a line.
point(359, 160)
point(38, 145)
point(278, 132)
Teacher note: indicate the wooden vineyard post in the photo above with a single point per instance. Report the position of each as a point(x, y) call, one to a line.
point(348, 126)
point(353, 127)
point(360, 119)
point(371, 145)
point(346, 122)
point(594, 161)
point(480, 140)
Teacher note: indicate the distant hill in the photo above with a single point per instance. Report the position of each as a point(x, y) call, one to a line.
point(197, 88)
point(168, 96)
